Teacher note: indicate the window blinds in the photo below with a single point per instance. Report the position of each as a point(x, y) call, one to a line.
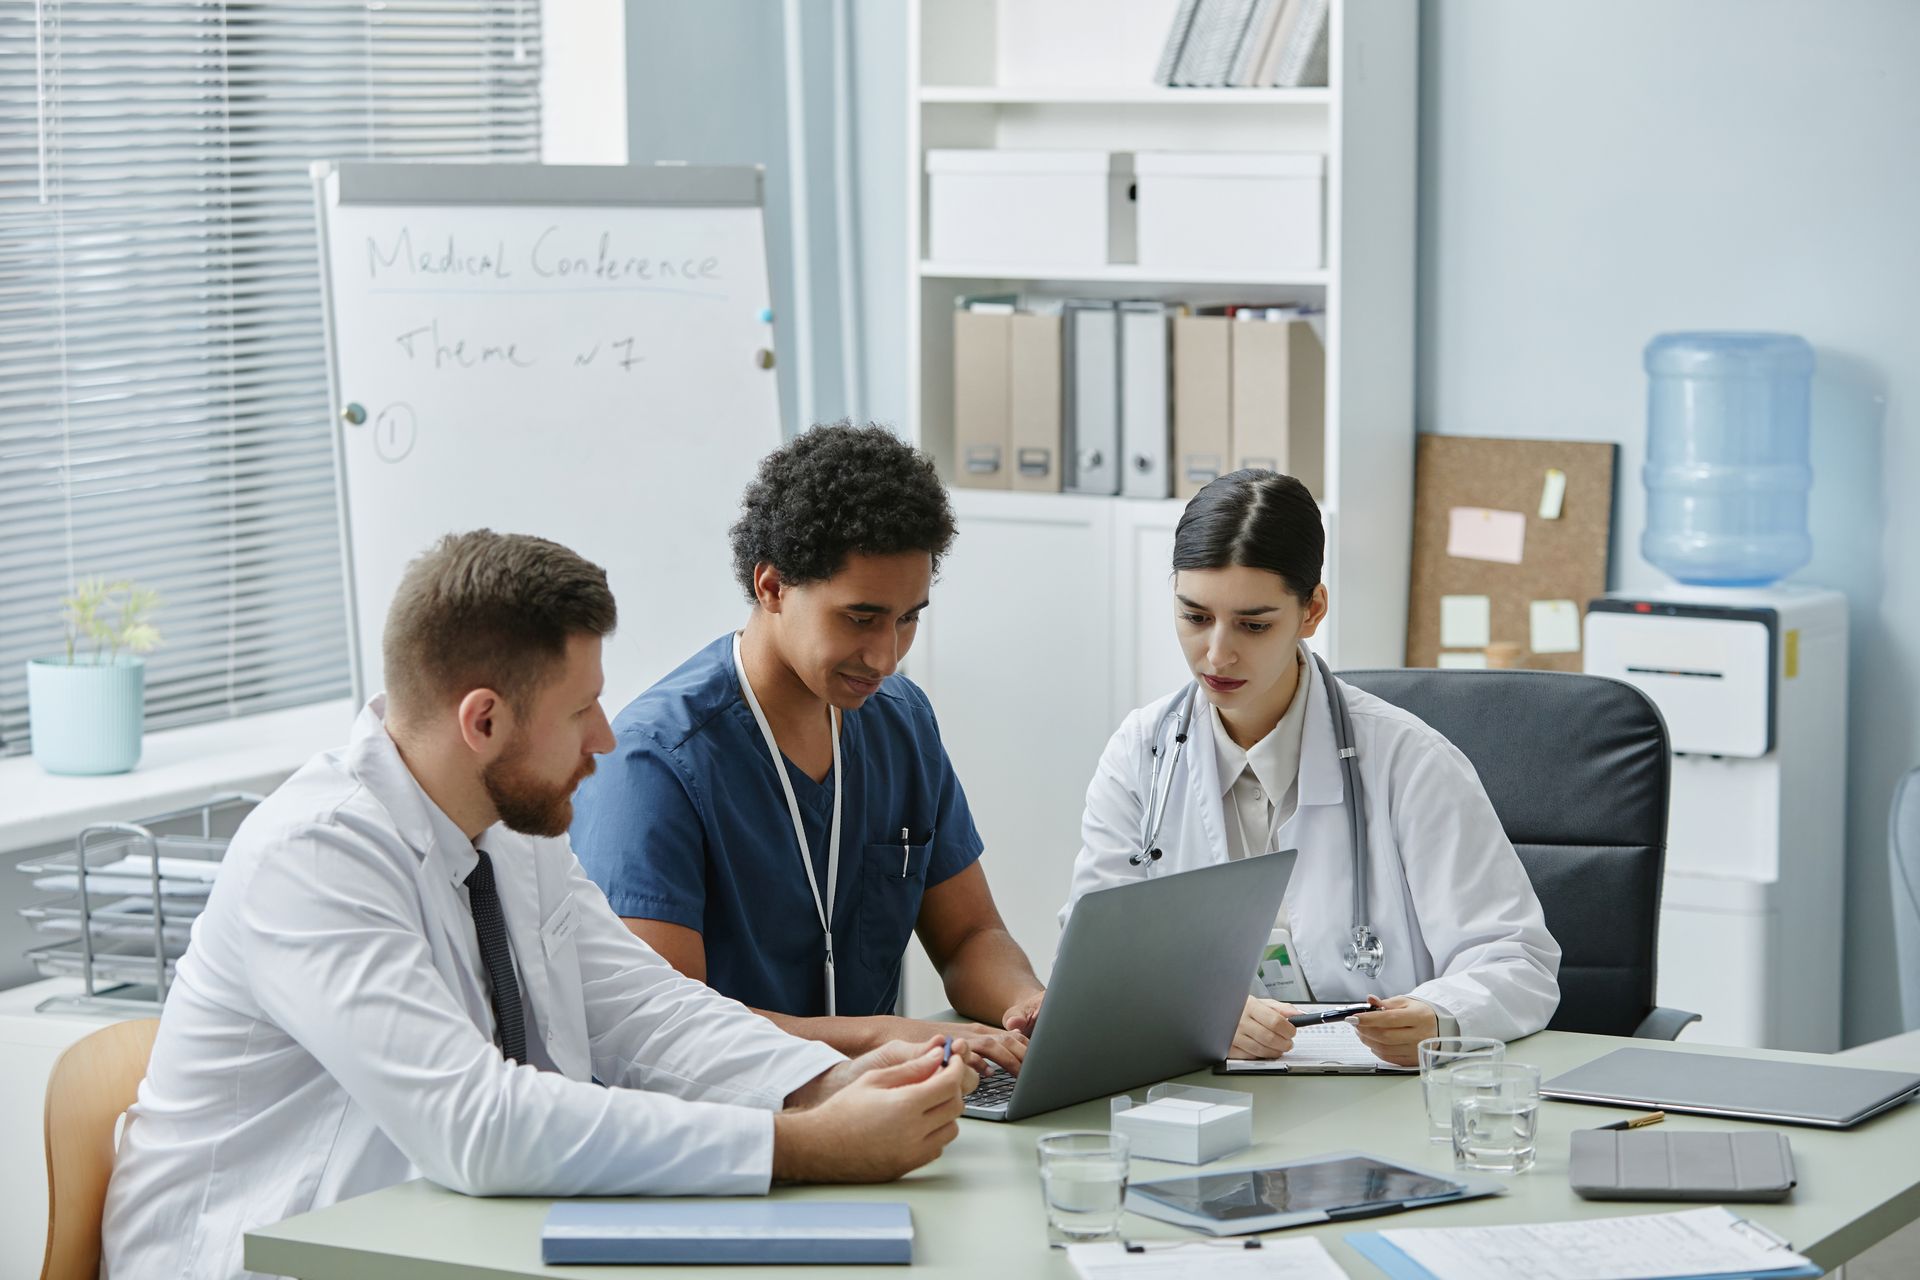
point(163, 395)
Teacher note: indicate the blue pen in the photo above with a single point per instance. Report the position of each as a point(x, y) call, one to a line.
point(946, 1050)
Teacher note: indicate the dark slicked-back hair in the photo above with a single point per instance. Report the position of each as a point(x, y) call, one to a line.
point(1259, 519)
point(486, 610)
point(837, 491)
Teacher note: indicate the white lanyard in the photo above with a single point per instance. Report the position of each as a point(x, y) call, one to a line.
point(820, 905)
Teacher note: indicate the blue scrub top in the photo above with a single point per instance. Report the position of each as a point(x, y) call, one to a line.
point(685, 821)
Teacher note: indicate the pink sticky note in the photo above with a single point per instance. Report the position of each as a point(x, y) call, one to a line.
point(1479, 533)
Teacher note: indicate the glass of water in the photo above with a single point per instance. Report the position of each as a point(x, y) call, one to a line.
point(1496, 1115)
point(1438, 1055)
point(1083, 1177)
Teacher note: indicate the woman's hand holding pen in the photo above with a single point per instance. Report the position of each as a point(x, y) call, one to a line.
point(1396, 1027)
point(1264, 1031)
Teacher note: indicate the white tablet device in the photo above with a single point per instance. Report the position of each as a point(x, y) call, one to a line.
point(1328, 1188)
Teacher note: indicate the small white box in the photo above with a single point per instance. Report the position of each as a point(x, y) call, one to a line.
point(1184, 1124)
point(1232, 210)
point(1030, 208)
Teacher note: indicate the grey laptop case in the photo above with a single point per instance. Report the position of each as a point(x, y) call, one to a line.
point(1773, 1090)
point(1749, 1164)
point(1149, 983)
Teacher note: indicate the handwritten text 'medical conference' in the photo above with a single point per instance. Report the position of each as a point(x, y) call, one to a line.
point(550, 257)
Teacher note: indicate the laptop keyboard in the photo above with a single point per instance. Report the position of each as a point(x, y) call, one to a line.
point(994, 1091)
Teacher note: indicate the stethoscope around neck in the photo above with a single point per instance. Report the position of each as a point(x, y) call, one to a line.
point(1363, 950)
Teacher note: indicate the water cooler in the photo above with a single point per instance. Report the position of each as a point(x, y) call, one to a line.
point(1753, 684)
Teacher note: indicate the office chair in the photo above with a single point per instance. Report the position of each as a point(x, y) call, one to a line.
point(92, 1085)
point(1577, 768)
point(1903, 856)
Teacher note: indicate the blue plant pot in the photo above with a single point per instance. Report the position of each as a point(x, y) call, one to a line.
point(86, 718)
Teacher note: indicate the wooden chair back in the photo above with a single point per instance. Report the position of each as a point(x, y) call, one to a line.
point(92, 1085)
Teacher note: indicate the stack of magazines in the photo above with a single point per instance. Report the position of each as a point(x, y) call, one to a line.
point(1246, 44)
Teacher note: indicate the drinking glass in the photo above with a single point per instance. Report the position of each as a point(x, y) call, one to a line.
point(1438, 1054)
point(1496, 1115)
point(1083, 1178)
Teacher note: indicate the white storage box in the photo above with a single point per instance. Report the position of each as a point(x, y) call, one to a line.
point(1232, 210)
point(1184, 1124)
point(1030, 208)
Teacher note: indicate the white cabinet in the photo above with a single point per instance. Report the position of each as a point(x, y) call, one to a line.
point(1052, 619)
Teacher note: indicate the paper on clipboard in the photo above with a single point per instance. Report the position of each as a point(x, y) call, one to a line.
point(1331, 1048)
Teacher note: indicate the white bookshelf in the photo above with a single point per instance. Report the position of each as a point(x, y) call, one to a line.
point(1051, 620)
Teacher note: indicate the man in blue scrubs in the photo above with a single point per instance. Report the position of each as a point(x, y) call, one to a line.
point(784, 778)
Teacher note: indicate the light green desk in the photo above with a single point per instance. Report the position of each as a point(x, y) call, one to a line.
point(978, 1216)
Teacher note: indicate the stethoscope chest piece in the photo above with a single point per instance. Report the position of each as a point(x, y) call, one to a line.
point(1364, 952)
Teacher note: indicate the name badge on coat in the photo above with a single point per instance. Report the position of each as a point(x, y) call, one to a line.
point(1279, 976)
point(559, 926)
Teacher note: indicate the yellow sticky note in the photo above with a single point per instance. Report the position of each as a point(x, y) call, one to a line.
point(1466, 622)
point(1555, 626)
point(1553, 494)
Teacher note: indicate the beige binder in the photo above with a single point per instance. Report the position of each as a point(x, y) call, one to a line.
point(1034, 400)
point(1279, 399)
point(982, 428)
point(1202, 439)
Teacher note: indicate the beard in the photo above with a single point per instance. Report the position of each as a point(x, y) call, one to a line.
point(526, 802)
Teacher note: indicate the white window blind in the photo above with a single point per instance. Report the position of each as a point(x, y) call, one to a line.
point(163, 397)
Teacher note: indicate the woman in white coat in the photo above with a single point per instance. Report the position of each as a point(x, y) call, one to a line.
point(1463, 947)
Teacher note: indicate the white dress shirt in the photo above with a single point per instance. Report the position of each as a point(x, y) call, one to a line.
point(330, 1034)
point(1261, 782)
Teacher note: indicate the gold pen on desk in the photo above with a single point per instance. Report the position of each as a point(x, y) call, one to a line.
point(1638, 1122)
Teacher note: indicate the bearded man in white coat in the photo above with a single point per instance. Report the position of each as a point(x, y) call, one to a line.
point(403, 972)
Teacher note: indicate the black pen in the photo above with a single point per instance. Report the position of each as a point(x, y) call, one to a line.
point(1637, 1122)
point(1328, 1015)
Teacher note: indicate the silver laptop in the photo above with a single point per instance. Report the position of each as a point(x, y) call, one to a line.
point(1778, 1091)
point(1149, 983)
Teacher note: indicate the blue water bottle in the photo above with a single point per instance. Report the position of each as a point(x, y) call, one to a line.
point(1727, 473)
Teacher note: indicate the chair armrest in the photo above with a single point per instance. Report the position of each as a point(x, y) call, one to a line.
point(1663, 1024)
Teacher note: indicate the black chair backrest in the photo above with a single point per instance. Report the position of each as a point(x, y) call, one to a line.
point(1577, 768)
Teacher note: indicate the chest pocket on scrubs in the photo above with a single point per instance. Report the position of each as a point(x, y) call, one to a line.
point(894, 877)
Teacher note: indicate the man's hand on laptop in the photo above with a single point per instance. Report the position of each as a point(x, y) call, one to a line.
point(1264, 1031)
point(1024, 1014)
point(875, 1117)
point(987, 1048)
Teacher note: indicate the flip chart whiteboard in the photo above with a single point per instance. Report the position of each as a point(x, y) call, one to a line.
point(578, 352)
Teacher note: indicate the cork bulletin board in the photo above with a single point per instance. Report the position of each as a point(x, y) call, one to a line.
point(1497, 579)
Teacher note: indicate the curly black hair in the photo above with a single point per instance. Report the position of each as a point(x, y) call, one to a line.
point(836, 491)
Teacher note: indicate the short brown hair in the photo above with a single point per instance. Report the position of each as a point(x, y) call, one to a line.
point(486, 610)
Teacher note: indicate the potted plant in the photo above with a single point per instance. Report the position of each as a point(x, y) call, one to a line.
point(85, 711)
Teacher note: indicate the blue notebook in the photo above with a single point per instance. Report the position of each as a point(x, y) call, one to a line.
point(727, 1231)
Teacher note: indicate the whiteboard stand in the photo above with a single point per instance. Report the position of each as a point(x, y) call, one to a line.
point(583, 353)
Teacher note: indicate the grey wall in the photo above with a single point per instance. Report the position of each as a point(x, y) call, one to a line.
point(1594, 174)
point(707, 83)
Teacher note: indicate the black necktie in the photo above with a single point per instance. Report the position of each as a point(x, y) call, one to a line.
point(491, 927)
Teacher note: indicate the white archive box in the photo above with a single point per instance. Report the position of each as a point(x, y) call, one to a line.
point(1030, 208)
point(1254, 210)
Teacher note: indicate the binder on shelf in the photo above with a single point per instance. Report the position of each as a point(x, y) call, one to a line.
point(1303, 61)
point(982, 429)
point(1202, 434)
point(1034, 402)
point(1255, 44)
point(1176, 41)
point(1146, 436)
point(1278, 396)
point(1091, 340)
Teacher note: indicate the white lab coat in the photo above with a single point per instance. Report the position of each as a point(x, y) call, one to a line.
point(1454, 909)
point(330, 1034)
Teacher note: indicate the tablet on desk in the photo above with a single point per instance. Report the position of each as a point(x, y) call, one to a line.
point(1328, 1188)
